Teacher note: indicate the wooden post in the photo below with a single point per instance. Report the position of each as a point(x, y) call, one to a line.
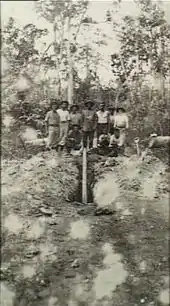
point(84, 177)
point(136, 140)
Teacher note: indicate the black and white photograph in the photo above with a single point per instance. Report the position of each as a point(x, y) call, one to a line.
point(85, 147)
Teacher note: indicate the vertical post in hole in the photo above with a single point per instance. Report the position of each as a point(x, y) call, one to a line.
point(84, 177)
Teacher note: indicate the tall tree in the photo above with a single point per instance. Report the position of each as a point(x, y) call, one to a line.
point(66, 18)
point(19, 45)
point(143, 57)
point(20, 53)
point(144, 43)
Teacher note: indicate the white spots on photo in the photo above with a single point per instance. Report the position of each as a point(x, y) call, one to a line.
point(36, 229)
point(48, 251)
point(112, 275)
point(28, 270)
point(164, 297)
point(80, 229)
point(6, 296)
point(13, 223)
point(106, 191)
point(53, 301)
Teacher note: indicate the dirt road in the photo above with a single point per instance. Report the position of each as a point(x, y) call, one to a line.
point(57, 252)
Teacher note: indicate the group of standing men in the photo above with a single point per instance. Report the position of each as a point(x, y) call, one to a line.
point(74, 129)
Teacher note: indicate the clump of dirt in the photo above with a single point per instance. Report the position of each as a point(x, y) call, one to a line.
point(147, 180)
point(28, 185)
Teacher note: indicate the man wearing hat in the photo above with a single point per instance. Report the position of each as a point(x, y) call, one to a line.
point(52, 121)
point(74, 139)
point(102, 120)
point(121, 123)
point(89, 121)
point(75, 116)
point(64, 123)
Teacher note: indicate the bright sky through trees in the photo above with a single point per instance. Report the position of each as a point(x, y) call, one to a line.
point(24, 12)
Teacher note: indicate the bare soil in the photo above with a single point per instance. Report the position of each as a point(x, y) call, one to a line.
point(58, 252)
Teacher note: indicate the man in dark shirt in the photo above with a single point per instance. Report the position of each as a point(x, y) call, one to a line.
point(75, 116)
point(89, 122)
point(74, 138)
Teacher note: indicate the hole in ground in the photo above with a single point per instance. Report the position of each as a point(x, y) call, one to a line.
point(90, 182)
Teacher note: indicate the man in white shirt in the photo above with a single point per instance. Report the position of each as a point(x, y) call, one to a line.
point(64, 123)
point(102, 121)
point(52, 121)
point(121, 122)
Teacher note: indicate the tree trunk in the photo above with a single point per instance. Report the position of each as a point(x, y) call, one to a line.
point(70, 67)
point(98, 96)
point(58, 82)
point(87, 62)
point(162, 73)
point(130, 86)
point(151, 70)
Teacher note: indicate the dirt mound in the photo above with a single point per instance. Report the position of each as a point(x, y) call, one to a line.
point(131, 177)
point(40, 181)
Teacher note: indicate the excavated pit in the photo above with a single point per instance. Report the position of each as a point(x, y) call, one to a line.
point(90, 181)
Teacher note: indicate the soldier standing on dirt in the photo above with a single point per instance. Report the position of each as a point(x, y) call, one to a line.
point(89, 121)
point(102, 121)
point(64, 123)
point(121, 123)
point(52, 121)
